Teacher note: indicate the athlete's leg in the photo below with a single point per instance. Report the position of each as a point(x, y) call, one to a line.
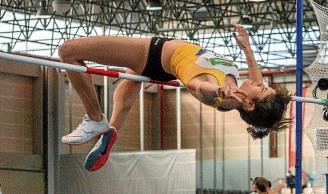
point(123, 99)
point(124, 96)
point(118, 51)
point(82, 83)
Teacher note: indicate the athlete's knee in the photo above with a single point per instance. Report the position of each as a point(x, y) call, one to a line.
point(67, 51)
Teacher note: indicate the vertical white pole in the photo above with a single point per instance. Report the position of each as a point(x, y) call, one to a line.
point(70, 110)
point(142, 124)
point(105, 80)
point(178, 105)
point(106, 94)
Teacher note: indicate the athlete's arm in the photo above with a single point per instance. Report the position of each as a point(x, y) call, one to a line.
point(208, 91)
point(242, 40)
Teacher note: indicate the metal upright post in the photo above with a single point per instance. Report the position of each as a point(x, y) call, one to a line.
point(327, 178)
point(106, 94)
point(326, 183)
point(299, 81)
point(142, 120)
point(214, 151)
point(178, 106)
point(262, 157)
point(201, 145)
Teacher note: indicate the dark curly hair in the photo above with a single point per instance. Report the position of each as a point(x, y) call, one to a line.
point(262, 184)
point(268, 114)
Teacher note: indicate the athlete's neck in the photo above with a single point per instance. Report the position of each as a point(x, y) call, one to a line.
point(230, 80)
point(231, 103)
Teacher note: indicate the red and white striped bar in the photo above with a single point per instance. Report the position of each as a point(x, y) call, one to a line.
point(82, 69)
point(137, 78)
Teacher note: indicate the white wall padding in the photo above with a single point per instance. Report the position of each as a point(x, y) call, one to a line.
point(151, 172)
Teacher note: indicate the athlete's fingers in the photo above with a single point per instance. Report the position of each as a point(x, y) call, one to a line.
point(238, 90)
point(237, 25)
point(225, 93)
point(242, 32)
point(235, 36)
point(237, 98)
point(241, 29)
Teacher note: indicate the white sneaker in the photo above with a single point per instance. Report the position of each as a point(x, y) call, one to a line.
point(86, 131)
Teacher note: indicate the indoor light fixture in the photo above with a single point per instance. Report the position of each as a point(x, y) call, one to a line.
point(154, 5)
point(246, 22)
point(202, 14)
point(61, 6)
point(43, 12)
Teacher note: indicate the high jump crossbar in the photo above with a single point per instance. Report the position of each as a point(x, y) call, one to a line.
point(83, 69)
point(137, 78)
point(323, 102)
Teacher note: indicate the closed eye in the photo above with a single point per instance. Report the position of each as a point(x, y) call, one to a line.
point(264, 89)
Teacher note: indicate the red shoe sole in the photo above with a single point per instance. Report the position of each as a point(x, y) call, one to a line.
point(96, 136)
point(101, 161)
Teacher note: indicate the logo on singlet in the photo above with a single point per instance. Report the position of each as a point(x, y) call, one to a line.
point(220, 61)
point(214, 58)
point(201, 51)
point(157, 41)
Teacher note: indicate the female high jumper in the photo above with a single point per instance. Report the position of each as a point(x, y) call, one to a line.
point(208, 76)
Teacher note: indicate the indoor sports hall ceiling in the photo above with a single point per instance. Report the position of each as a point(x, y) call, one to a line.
point(205, 22)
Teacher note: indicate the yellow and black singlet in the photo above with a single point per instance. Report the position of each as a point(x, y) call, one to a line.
point(189, 61)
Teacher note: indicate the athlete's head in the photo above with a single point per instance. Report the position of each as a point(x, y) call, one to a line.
point(261, 185)
point(264, 108)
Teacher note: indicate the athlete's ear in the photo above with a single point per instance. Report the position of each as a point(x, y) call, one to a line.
point(248, 105)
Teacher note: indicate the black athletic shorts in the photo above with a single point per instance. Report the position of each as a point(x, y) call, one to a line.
point(154, 68)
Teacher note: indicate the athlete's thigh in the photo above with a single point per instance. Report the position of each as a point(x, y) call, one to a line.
point(111, 50)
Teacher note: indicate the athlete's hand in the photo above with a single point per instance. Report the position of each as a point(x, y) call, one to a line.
point(226, 92)
point(242, 37)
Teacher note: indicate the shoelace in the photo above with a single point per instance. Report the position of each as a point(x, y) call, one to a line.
point(84, 122)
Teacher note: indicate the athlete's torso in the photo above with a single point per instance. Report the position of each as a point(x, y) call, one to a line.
point(168, 49)
point(187, 61)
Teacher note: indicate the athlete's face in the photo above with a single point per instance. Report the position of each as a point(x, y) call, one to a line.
point(255, 189)
point(256, 89)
